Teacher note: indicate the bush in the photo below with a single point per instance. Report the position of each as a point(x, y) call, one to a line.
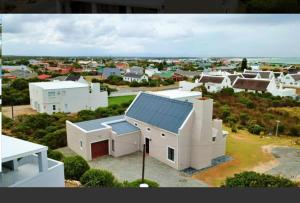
point(227, 91)
point(56, 155)
point(253, 179)
point(98, 178)
point(137, 183)
point(294, 131)
point(55, 139)
point(75, 167)
point(255, 129)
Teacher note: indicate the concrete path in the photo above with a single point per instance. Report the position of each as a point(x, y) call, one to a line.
point(130, 168)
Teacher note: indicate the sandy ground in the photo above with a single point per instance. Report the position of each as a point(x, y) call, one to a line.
point(263, 167)
point(18, 110)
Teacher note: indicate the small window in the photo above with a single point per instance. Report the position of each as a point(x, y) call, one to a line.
point(148, 129)
point(53, 107)
point(113, 145)
point(171, 154)
point(81, 144)
point(135, 124)
point(214, 139)
point(163, 135)
point(51, 94)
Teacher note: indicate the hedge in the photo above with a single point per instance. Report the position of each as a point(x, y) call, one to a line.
point(75, 167)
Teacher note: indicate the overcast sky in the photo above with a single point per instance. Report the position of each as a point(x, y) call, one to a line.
point(152, 35)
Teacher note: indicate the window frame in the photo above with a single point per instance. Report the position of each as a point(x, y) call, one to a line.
point(169, 147)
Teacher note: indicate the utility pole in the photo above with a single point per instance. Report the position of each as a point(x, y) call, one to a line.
point(277, 127)
point(144, 185)
point(143, 170)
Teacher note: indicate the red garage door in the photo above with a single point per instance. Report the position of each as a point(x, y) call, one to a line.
point(99, 149)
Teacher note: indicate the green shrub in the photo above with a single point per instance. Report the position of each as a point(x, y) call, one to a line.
point(253, 179)
point(75, 167)
point(7, 122)
point(294, 131)
point(227, 91)
point(98, 178)
point(56, 139)
point(137, 183)
point(56, 155)
point(255, 129)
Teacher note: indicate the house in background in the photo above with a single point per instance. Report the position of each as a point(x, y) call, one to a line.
point(66, 96)
point(25, 164)
point(269, 75)
point(76, 78)
point(188, 74)
point(136, 70)
point(132, 77)
point(292, 80)
point(178, 133)
point(254, 85)
point(214, 83)
point(150, 71)
point(106, 72)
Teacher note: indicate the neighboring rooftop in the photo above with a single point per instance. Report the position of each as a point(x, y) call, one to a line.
point(162, 112)
point(97, 123)
point(251, 84)
point(233, 77)
point(211, 79)
point(175, 94)
point(59, 85)
point(72, 77)
point(295, 76)
point(14, 148)
point(249, 75)
point(133, 75)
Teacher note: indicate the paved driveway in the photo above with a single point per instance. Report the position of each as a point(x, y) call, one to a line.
point(289, 162)
point(130, 168)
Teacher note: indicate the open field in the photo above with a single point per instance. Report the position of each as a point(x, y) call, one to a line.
point(18, 110)
point(121, 99)
point(249, 152)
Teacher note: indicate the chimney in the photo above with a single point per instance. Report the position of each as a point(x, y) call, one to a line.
point(95, 87)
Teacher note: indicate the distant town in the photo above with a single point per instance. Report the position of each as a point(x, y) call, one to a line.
point(85, 108)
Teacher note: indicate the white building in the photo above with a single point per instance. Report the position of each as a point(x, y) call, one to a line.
point(151, 71)
point(292, 80)
point(66, 96)
point(215, 83)
point(133, 77)
point(26, 164)
point(179, 94)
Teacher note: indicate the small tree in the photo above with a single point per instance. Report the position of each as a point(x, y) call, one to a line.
point(137, 183)
point(98, 178)
point(75, 167)
point(253, 179)
point(244, 64)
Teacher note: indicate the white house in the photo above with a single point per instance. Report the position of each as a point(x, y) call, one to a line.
point(292, 80)
point(178, 133)
point(131, 77)
point(261, 74)
point(214, 83)
point(262, 85)
point(66, 96)
point(151, 71)
point(179, 94)
point(25, 164)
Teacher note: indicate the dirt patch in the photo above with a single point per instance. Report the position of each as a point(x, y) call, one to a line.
point(18, 110)
point(72, 183)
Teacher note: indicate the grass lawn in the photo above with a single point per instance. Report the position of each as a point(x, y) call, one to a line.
point(121, 99)
point(247, 153)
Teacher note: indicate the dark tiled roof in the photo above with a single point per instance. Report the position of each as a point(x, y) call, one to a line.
point(111, 71)
point(251, 84)
point(211, 79)
point(73, 78)
point(234, 77)
point(133, 75)
point(265, 74)
point(296, 77)
point(164, 113)
point(249, 75)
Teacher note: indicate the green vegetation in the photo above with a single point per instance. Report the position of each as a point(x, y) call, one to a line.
point(50, 130)
point(17, 93)
point(258, 113)
point(99, 178)
point(253, 179)
point(121, 100)
point(56, 155)
point(75, 167)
